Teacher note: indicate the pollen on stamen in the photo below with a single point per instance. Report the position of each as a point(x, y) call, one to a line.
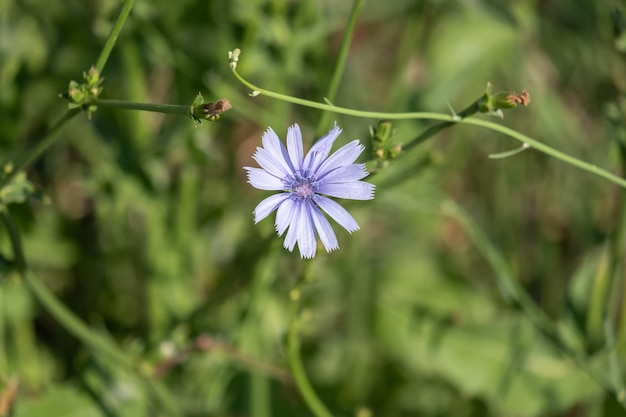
point(303, 189)
point(306, 183)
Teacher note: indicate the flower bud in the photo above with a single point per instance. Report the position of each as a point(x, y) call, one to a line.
point(494, 103)
point(233, 57)
point(85, 95)
point(199, 110)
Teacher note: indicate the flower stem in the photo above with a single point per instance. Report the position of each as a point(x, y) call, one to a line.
point(446, 118)
point(615, 286)
point(314, 403)
point(342, 110)
point(433, 130)
point(341, 61)
point(49, 138)
point(309, 395)
point(115, 31)
point(157, 108)
point(73, 324)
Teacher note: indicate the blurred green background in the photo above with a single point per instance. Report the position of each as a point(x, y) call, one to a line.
point(147, 231)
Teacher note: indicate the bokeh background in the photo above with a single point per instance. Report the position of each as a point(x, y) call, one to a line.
point(146, 229)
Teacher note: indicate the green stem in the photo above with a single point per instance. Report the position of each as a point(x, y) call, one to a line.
point(115, 31)
point(299, 374)
point(156, 108)
point(52, 304)
point(342, 110)
point(341, 60)
point(50, 137)
point(73, 324)
point(446, 118)
point(614, 366)
point(616, 287)
point(433, 130)
point(38, 149)
point(547, 150)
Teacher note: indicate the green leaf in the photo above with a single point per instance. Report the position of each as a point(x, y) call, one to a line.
point(19, 191)
point(59, 401)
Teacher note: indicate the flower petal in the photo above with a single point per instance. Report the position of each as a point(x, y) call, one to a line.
point(320, 150)
point(267, 206)
point(324, 229)
point(292, 234)
point(337, 213)
point(294, 146)
point(284, 215)
point(263, 180)
point(275, 147)
point(273, 165)
point(307, 242)
point(345, 155)
point(350, 173)
point(355, 190)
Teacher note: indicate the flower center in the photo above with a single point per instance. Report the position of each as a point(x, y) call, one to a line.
point(303, 187)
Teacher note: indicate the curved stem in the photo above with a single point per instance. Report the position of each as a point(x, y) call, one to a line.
point(341, 60)
point(433, 130)
point(50, 136)
point(547, 150)
point(615, 286)
point(38, 149)
point(446, 118)
point(115, 31)
point(157, 108)
point(297, 368)
point(69, 321)
point(305, 388)
point(342, 110)
point(73, 324)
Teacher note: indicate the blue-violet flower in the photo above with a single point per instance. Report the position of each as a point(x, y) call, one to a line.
point(305, 182)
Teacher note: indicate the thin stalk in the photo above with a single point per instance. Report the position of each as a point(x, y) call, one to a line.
point(614, 366)
point(74, 325)
point(260, 396)
point(433, 130)
point(615, 275)
point(446, 118)
point(50, 136)
point(305, 388)
point(64, 316)
point(115, 31)
point(342, 58)
point(183, 110)
point(34, 153)
point(341, 110)
point(309, 395)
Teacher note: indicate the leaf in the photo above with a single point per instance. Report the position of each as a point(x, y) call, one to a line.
point(436, 327)
point(59, 401)
point(19, 191)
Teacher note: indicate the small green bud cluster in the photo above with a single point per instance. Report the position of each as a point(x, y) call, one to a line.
point(383, 150)
point(85, 95)
point(233, 58)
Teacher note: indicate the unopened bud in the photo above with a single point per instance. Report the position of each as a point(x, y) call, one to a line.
point(233, 57)
point(200, 110)
point(494, 103)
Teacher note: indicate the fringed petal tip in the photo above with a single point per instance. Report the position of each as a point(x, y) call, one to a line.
point(307, 181)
